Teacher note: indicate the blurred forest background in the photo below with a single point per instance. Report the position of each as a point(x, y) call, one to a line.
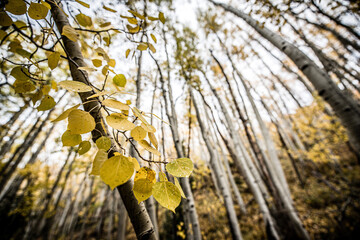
point(262, 96)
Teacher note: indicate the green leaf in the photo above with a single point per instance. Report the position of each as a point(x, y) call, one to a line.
point(116, 171)
point(69, 139)
point(100, 157)
point(75, 86)
point(84, 147)
point(119, 80)
point(181, 167)
point(37, 11)
point(103, 143)
point(47, 103)
point(53, 60)
point(167, 194)
point(80, 122)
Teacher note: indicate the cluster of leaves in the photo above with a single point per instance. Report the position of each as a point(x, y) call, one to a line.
point(119, 168)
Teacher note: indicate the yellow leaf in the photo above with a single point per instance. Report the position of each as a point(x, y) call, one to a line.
point(148, 127)
point(5, 20)
point(36, 96)
point(136, 14)
point(84, 20)
point(153, 139)
point(167, 194)
point(100, 157)
point(97, 62)
point(109, 9)
point(138, 133)
point(23, 86)
point(84, 147)
point(127, 53)
point(70, 33)
point(47, 103)
point(16, 7)
point(139, 116)
point(133, 29)
point(177, 184)
point(135, 162)
point(115, 104)
point(119, 80)
point(142, 46)
point(46, 89)
point(80, 122)
point(116, 171)
point(118, 122)
point(103, 143)
point(83, 3)
point(152, 18)
point(162, 177)
point(112, 63)
point(162, 17)
point(87, 69)
point(69, 139)
point(181, 167)
point(37, 11)
point(149, 148)
point(146, 173)
point(65, 114)
point(142, 189)
point(53, 60)
point(153, 38)
point(105, 24)
point(152, 48)
point(75, 86)
point(99, 94)
point(132, 20)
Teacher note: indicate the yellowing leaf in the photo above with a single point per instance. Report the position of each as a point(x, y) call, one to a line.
point(53, 60)
point(135, 162)
point(83, 3)
point(142, 46)
point(115, 104)
point(16, 7)
point(69, 139)
point(84, 147)
point(5, 20)
point(46, 89)
point(146, 173)
point(80, 122)
point(162, 17)
point(119, 80)
point(148, 127)
point(152, 48)
point(109, 9)
point(37, 11)
point(177, 184)
point(118, 122)
point(84, 20)
point(153, 38)
point(142, 189)
point(20, 73)
point(116, 171)
point(167, 194)
point(136, 14)
point(138, 133)
point(70, 33)
point(149, 148)
point(105, 24)
point(23, 86)
point(181, 167)
point(47, 103)
point(65, 114)
point(112, 63)
point(152, 18)
point(75, 86)
point(103, 143)
point(132, 20)
point(127, 53)
point(153, 139)
point(97, 62)
point(100, 157)
point(133, 29)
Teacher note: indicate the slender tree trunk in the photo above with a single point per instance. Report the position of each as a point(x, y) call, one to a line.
point(346, 108)
point(137, 212)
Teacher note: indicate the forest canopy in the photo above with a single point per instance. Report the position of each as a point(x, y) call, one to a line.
point(198, 119)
